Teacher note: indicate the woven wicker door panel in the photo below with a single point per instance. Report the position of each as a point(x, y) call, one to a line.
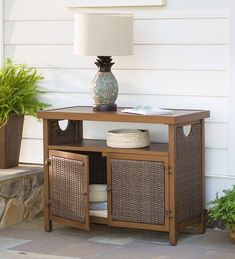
point(138, 191)
point(188, 173)
point(69, 186)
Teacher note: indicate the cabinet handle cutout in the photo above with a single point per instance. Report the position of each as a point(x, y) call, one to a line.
point(63, 124)
point(187, 130)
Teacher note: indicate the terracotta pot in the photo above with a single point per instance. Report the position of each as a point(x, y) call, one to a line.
point(10, 141)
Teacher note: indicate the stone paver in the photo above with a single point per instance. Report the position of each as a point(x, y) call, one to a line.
point(104, 242)
point(8, 242)
point(8, 254)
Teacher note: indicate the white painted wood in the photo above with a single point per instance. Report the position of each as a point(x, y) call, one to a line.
point(1, 34)
point(177, 13)
point(31, 151)
point(214, 57)
point(216, 161)
point(189, 57)
point(55, 10)
point(146, 31)
point(181, 31)
point(33, 128)
point(216, 135)
point(35, 10)
point(161, 82)
point(217, 184)
point(39, 32)
point(195, 4)
point(231, 135)
point(112, 3)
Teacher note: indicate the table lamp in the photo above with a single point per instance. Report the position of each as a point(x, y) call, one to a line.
point(104, 35)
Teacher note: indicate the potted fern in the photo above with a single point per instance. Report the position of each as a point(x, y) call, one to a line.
point(223, 209)
point(18, 97)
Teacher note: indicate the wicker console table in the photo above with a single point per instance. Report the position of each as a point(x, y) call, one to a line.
point(156, 188)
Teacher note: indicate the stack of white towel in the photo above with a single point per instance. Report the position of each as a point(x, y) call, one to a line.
point(98, 200)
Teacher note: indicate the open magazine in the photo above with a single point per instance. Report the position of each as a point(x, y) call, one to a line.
point(147, 110)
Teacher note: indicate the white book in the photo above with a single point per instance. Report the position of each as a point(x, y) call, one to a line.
point(147, 110)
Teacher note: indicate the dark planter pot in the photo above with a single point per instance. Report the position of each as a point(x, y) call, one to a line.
point(10, 142)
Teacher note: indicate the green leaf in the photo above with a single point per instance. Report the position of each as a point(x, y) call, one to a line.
point(18, 91)
point(223, 208)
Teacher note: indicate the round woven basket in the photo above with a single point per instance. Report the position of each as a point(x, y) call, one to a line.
point(128, 138)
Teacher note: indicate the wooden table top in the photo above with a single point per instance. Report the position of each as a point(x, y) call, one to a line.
point(87, 113)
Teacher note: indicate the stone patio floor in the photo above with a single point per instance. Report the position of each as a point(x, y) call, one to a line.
point(28, 240)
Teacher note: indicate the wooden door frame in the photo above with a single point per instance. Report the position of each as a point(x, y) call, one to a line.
point(116, 223)
point(85, 159)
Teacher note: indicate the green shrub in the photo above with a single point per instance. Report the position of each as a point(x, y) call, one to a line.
point(223, 209)
point(18, 91)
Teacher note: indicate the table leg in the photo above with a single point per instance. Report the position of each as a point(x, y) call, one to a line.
point(172, 182)
point(202, 224)
point(47, 220)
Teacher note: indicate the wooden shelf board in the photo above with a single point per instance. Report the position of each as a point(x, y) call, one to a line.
point(160, 149)
point(87, 114)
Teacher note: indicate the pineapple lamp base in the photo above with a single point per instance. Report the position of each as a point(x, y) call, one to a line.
point(104, 86)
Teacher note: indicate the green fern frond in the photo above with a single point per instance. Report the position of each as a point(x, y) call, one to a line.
point(18, 91)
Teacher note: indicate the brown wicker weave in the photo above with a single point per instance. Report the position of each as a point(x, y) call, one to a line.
point(69, 135)
point(67, 190)
point(97, 166)
point(138, 191)
point(188, 173)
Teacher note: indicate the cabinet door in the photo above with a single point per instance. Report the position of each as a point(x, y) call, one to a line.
point(69, 185)
point(138, 191)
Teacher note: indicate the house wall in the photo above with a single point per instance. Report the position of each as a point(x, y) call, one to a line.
point(1, 32)
point(181, 60)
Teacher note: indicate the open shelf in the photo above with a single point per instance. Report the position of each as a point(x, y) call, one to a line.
point(91, 145)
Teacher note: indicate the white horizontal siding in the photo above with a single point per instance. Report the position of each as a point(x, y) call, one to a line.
point(31, 151)
point(177, 57)
point(216, 161)
point(231, 137)
point(33, 128)
point(112, 3)
point(1, 33)
point(215, 183)
point(159, 82)
point(179, 31)
point(55, 10)
point(216, 135)
point(35, 10)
